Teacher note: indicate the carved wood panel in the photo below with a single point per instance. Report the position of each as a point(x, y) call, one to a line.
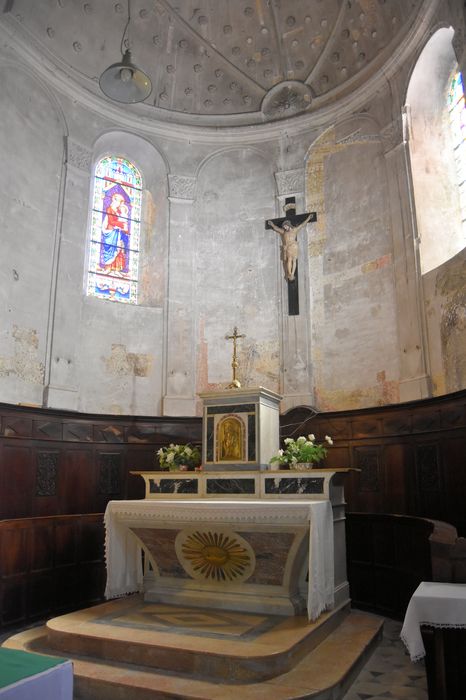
point(47, 473)
point(367, 459)
point(110, 464)
point(49, 566)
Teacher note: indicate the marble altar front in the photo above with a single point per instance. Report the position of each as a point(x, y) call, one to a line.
point(279, 548)
point(252, 556)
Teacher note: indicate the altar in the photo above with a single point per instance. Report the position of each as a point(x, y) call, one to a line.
point(237, 535)
point(253, 556)
point(263, 541)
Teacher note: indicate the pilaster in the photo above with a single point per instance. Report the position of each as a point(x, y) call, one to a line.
point(179, 397)
point(61, 381)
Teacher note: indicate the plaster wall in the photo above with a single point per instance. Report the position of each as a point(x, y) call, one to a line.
point(235, 270)
point(209, 264)
point(29, 202)
point(445, 299)
point(354, 327)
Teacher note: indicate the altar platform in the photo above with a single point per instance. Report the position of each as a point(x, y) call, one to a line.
point(132, 650)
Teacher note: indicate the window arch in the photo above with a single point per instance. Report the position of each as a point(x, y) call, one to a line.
point(457, 116)
point(115, 231)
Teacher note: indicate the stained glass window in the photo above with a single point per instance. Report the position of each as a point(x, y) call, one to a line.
point(457, 114)
point(115, 231)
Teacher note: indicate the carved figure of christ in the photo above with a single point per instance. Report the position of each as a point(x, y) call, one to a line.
point(288, 227)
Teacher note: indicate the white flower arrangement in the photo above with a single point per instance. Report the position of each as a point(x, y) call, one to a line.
point(301, 450)
point(179, 457)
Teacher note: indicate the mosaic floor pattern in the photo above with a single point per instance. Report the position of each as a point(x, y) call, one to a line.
point(390, 673)
point(184, 620)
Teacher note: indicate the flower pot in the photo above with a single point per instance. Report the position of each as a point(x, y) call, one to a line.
point(181, 468)
point(301, 466)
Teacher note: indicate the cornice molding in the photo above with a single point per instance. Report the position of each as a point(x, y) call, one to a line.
point(290, 181)
point(181, 187)
point(78, 155)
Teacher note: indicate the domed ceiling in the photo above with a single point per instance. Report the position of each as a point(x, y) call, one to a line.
point(268, 58)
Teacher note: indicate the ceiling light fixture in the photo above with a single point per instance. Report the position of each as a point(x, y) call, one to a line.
point(123, 81)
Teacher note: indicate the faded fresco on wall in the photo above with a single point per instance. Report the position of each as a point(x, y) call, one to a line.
point(353, 319)
point(445, 300)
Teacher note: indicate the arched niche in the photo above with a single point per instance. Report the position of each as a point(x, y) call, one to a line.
point(119, 347)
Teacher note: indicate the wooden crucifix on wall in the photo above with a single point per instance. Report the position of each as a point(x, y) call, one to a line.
point(288, 227)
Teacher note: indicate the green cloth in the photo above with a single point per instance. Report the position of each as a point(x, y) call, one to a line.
point(16, 665)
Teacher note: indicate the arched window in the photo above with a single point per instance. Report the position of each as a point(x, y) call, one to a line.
point(115, 231)
point(457, 114)
point(435, 105)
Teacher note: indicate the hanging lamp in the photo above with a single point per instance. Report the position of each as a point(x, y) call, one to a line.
point(124, 81)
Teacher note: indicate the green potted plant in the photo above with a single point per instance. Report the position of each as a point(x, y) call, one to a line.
point(301, 453)
point(179, 457)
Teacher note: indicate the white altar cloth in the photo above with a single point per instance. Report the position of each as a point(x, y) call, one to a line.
point(124, 571)
point(435, 605)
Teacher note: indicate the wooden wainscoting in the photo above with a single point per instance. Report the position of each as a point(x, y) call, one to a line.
point(57, 462)
point(410, 457)
point(387, 556)
point(49, 566)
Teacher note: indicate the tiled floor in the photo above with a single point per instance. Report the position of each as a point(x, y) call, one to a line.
point(390, 673)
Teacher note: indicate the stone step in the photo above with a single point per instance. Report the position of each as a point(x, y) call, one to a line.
point(214, 644)
point(324, 673)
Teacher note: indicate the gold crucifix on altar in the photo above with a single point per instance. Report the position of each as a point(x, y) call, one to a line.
point(235, 384)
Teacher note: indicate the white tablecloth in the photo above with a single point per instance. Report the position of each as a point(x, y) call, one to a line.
point(124, 572)
point(53, 684)
point(436, 605)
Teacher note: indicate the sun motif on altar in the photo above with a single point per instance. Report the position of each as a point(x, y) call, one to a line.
point(215, 556)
